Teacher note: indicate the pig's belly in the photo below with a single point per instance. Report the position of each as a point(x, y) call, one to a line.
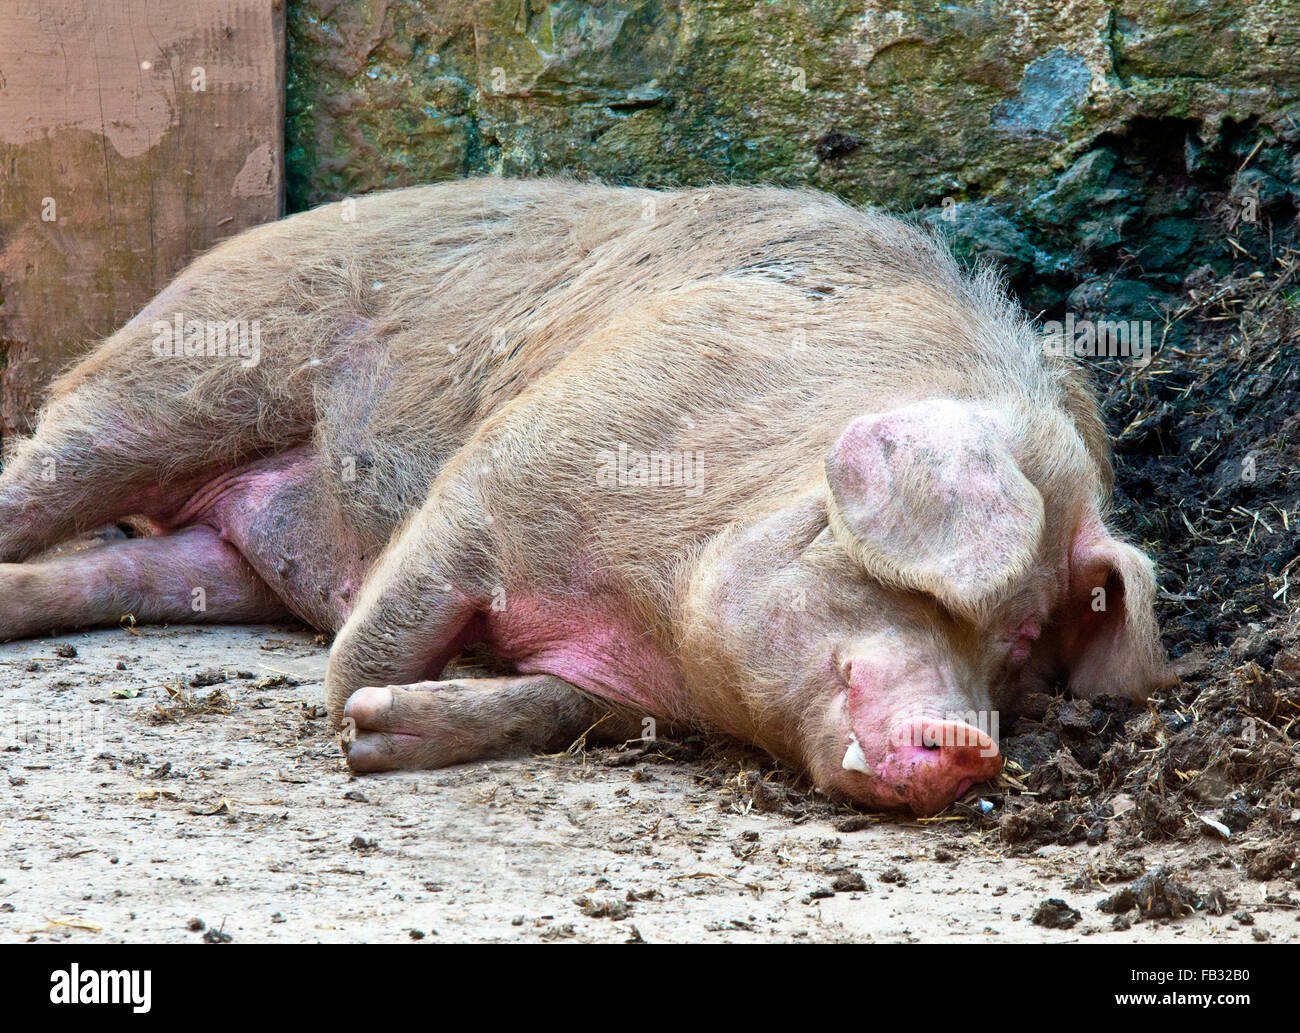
point(592, 644)
point(276, 513)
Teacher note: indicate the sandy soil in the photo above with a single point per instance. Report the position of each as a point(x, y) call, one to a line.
point(141, 807)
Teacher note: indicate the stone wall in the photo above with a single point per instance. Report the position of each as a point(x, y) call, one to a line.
point(1118, 144)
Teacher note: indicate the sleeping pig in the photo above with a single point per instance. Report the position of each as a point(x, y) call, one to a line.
point(737, 458)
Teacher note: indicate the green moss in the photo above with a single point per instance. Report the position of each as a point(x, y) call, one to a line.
point(1041, 116)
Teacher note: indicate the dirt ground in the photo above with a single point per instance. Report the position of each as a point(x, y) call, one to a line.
point(181, 784)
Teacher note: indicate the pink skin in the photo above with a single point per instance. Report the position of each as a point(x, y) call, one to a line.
point(26, 529)
point(932, 762)
point(588, 642)
point(248, 538)
point(592, 643)
point(263, 509)
point(1021, 640)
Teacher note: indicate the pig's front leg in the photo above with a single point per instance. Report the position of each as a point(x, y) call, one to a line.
point(434, 724)
point(414, 613)
point(421, 604)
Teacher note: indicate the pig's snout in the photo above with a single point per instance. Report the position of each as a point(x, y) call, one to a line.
point(929, 762)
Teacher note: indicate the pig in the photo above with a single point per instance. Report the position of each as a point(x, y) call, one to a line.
point(733, 458)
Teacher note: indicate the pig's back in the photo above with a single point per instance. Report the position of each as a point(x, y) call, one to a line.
point(748, 324)
point(443, 305)
point(743, 329)
point(407, 321)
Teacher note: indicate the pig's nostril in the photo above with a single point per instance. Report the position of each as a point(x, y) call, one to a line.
point(934, 762)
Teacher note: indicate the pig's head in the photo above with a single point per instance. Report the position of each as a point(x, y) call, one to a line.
point(951, 560)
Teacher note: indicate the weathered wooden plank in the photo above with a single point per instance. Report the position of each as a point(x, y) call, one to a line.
point(133, 135)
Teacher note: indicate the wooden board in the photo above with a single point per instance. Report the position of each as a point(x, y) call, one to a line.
point(133, 135)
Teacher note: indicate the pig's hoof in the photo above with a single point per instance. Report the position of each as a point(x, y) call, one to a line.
point(370, 738)
point(386, 728)
point(432, 724)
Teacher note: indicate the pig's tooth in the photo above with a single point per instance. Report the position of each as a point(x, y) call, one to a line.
point(854, 758)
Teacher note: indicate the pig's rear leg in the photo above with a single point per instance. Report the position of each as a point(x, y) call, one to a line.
point(189, 576)
point(278, 513)
point(125, 433)
point(260, 542)
point(434, 724)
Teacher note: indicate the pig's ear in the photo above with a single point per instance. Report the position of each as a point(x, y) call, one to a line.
point(1107, 627)
point(930, 497)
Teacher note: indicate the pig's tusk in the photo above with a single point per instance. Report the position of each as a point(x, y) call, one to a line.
point(854, 758)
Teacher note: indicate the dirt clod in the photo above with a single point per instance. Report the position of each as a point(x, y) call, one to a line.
point(603, 907)
point(1270, 862)
point(1055, 913)
point(849, 882)
point(1156, 895)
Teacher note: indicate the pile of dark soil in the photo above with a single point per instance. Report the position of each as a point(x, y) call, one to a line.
point(1207, 444)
